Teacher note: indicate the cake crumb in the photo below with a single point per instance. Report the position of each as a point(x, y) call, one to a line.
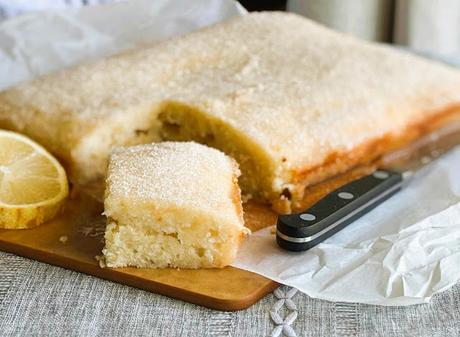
point(101, 261)
point(273, 230)
point(246, 197)
point(96, 229)
point(282, 205)
point(63, 238)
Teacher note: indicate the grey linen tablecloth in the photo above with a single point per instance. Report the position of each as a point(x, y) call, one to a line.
point(38, 299)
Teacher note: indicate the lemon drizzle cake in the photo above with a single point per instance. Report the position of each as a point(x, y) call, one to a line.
point(172, 204)
point(293, 102)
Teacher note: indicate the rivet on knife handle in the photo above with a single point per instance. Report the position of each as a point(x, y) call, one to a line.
point(299, 232)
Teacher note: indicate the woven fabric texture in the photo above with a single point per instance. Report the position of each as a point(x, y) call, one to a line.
point(38, 299)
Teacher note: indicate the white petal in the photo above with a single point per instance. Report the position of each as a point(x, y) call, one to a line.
point(291, 292)
point(288, 331)
point(290, 318)
point(277, 331)
point(276, 317)
point(279, 293)
point(290, 304)
point(277, 306)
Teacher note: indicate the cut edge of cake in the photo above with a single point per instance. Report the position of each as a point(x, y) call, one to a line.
point(155, 233)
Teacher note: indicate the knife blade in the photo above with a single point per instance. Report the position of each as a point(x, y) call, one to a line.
point(304, 230)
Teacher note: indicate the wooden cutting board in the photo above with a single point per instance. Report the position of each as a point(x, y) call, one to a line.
point(74, 239)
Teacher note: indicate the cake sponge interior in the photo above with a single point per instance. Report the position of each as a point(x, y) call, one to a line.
point(184, 122)
point(172, 204)
point(163, 238)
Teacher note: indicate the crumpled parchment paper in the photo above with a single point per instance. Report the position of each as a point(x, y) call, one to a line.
point(400, 253)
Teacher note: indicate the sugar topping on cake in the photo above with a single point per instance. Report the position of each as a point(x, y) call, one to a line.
point(172, 204)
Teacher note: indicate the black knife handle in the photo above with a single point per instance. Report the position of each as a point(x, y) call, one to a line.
point(299, 232)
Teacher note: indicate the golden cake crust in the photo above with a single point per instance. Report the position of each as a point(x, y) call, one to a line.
point(339, 162)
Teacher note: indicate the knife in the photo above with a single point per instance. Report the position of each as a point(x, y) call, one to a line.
point(302, 231)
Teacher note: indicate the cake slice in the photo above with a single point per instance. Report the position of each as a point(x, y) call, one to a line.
point(172, 204)
point(292, 101)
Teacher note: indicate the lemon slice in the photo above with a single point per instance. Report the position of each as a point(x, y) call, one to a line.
point(33, 185)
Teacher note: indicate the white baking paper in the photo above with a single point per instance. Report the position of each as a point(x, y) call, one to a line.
point(38, 43)
point(401, 253)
